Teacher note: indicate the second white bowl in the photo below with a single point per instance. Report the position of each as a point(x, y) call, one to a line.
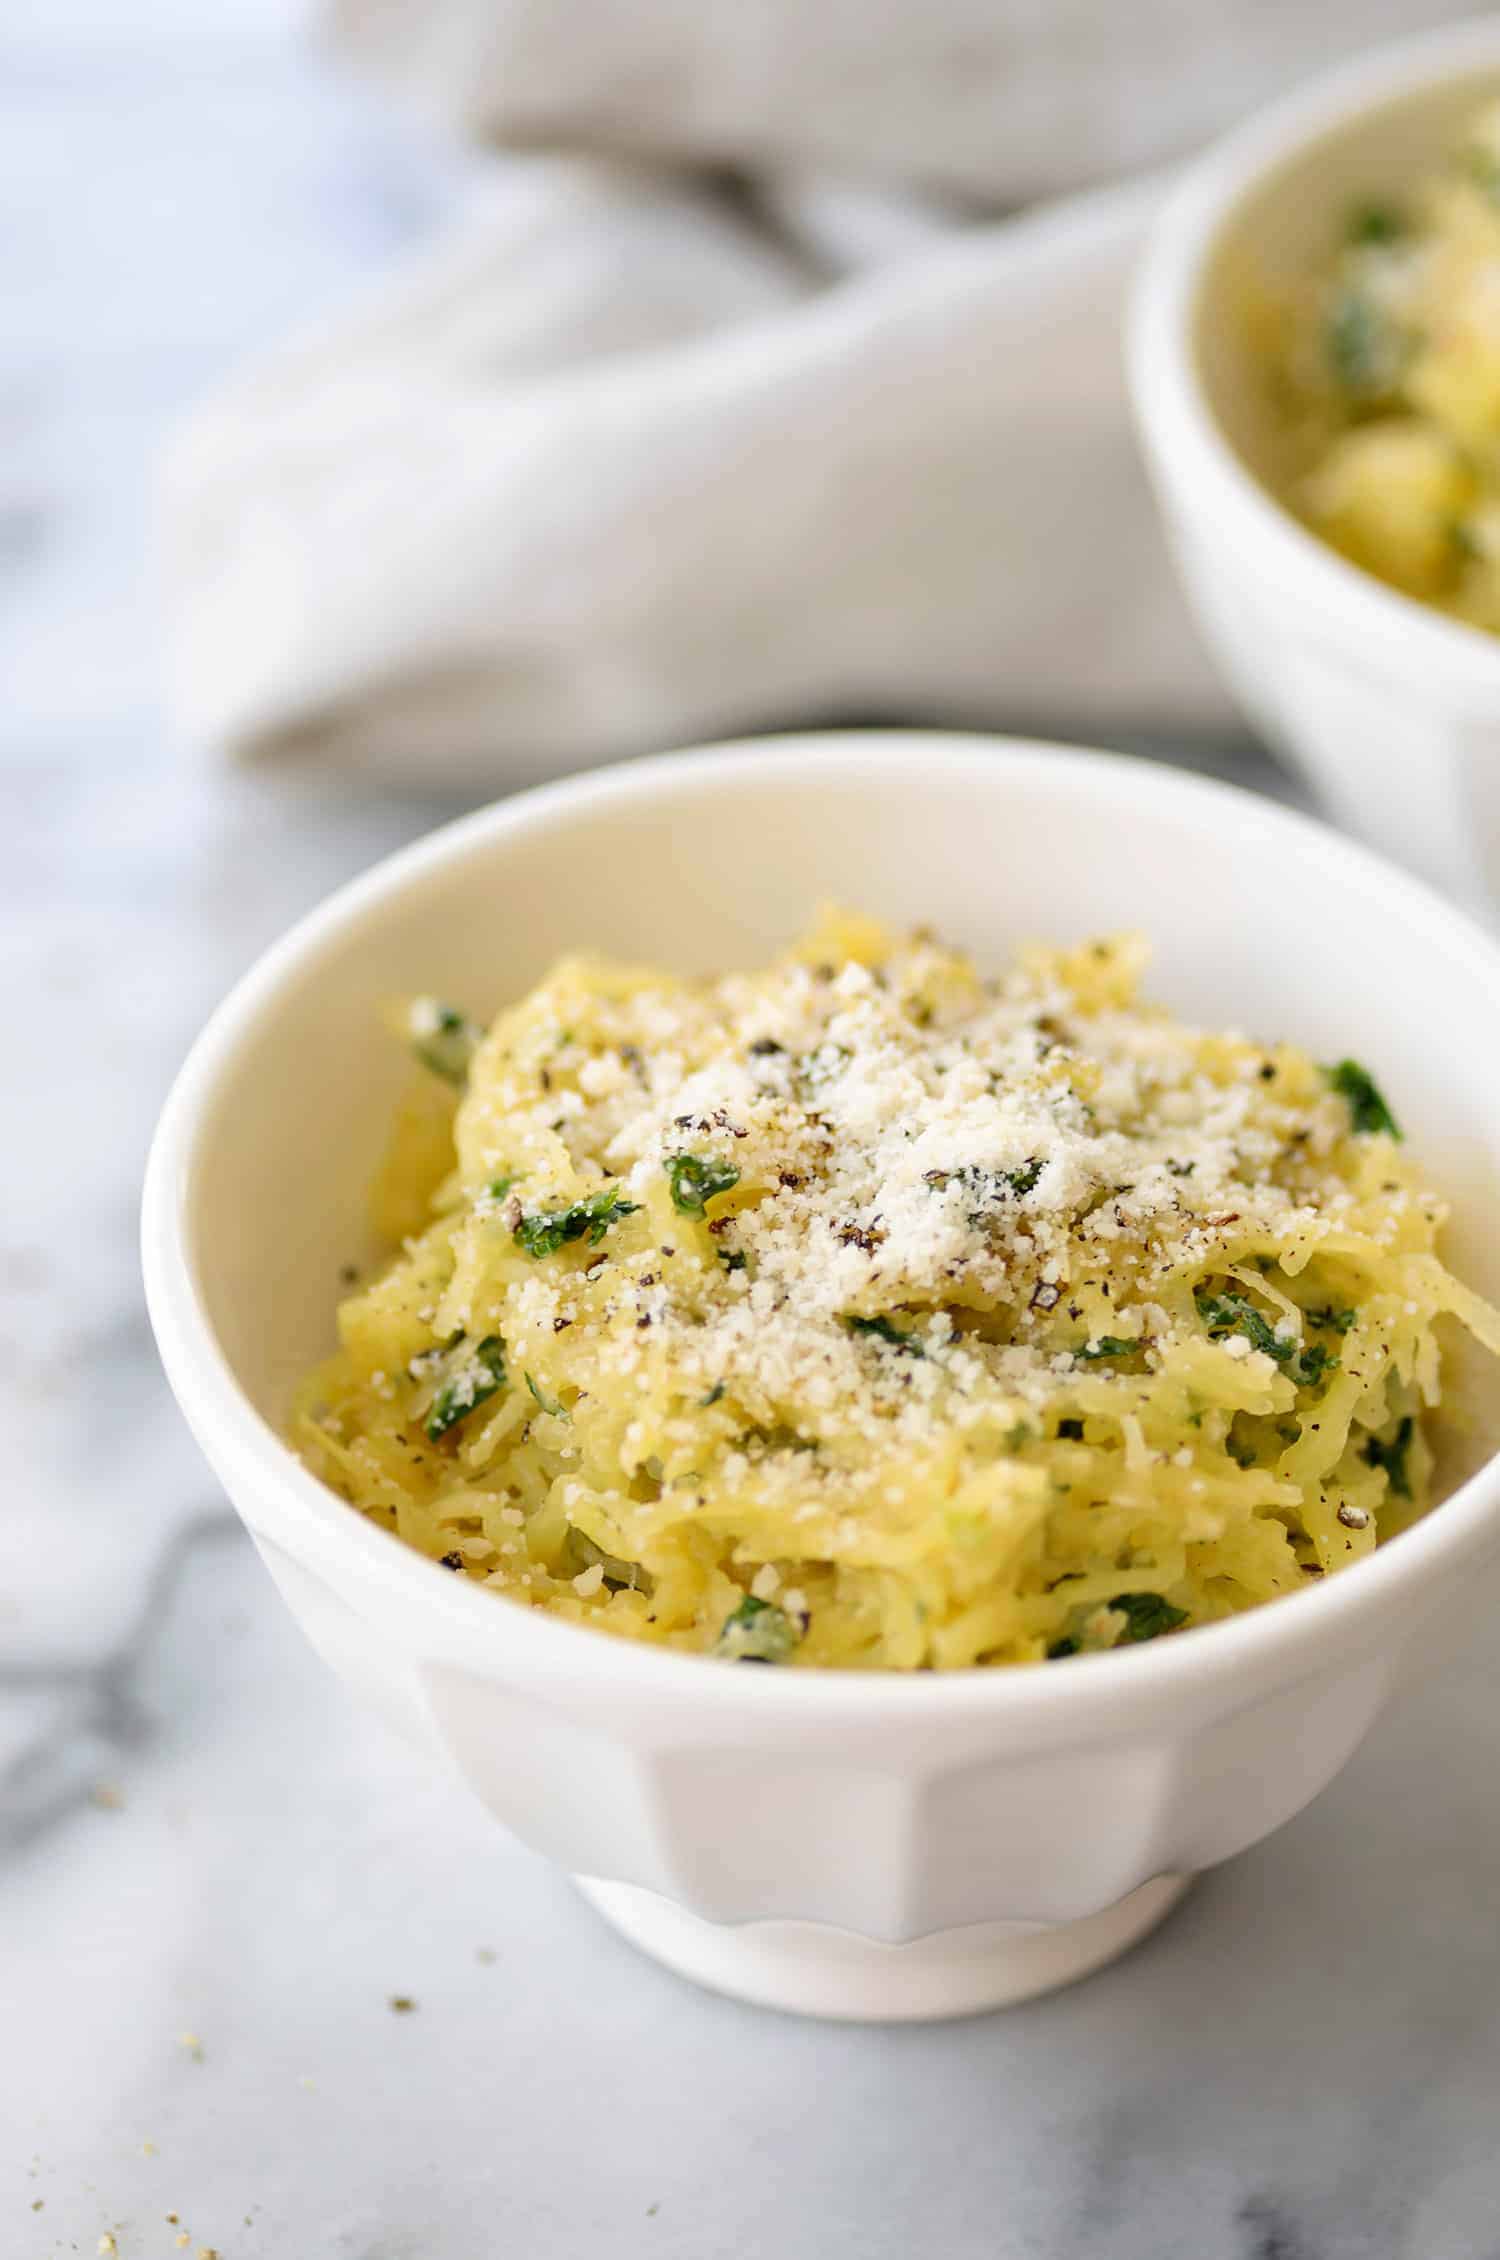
point(1390, 708)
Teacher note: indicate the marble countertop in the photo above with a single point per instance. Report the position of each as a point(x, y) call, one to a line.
point(216, 1876)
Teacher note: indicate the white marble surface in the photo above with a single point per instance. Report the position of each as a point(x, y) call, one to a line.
point(198, 1834)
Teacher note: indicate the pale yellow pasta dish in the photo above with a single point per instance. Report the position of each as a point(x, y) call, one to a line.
point(866, 1311)
point(1391, 372)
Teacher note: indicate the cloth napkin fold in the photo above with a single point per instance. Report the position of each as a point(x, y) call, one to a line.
point(634, 455)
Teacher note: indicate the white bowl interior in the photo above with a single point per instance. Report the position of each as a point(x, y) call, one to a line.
point(1288, 225)
point(1260, 920)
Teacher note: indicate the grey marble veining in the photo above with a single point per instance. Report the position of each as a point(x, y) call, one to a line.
point(198, 1834)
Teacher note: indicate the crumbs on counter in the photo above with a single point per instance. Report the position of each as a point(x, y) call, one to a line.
point(403, 2004)
point(193, 2045)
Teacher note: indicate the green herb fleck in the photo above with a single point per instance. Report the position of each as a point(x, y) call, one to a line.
point(815, 1070)
point(696, 1178)
point(733, 1259)
point(1392, 1457)
point(1063, 1647)
point(714, 1394)
point(757, 1632)
point(1147, 1616)
point(553, 1405)
point(884, 1331)
point(473, 1377)
point(543, 1233)
point(442, 1037)
point(1312, 1363)
point(1106, 1346)
point(1367, 1108)
point(1233, 1314)
point(1023, 1180)
point(1364, 350)
point(989, 1184)
point(1330, 1320)
point(1375, 222)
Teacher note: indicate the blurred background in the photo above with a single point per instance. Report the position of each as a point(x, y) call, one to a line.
point(215, 1881)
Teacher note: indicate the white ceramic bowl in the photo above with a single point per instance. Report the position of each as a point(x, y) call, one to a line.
point(1391, 709)
point(1058, 1808)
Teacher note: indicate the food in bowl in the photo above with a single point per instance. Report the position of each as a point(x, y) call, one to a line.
point(867, 1311)
point(1389, 365)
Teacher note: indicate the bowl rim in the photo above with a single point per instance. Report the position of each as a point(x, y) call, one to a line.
point(1282, 1639)
point(1185, 438)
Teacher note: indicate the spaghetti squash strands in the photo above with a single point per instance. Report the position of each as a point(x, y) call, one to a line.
point(867, 1312)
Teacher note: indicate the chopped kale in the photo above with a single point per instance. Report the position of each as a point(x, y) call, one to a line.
point(1147, 1616)
point(696, 1178)
point(1331, 1321)
point(1106, 1346)
point(473, 1377)
point(1313, 1362)
point(1234, 1314)
point(543, 1233)
point(1375, 222)
point(989, 1185)
point(884, 1331)
point(442, 1038)
point(1392, 1457)
point(757, 1632)
point(1367, 1109)
point(1023, 1180)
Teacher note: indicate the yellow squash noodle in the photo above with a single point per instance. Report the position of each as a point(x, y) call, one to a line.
point(868, 1312)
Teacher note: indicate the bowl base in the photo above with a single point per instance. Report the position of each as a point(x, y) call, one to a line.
point(816, 1970)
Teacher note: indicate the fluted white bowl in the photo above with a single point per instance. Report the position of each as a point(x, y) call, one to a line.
point(887, 1845)
point(1391, 709)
